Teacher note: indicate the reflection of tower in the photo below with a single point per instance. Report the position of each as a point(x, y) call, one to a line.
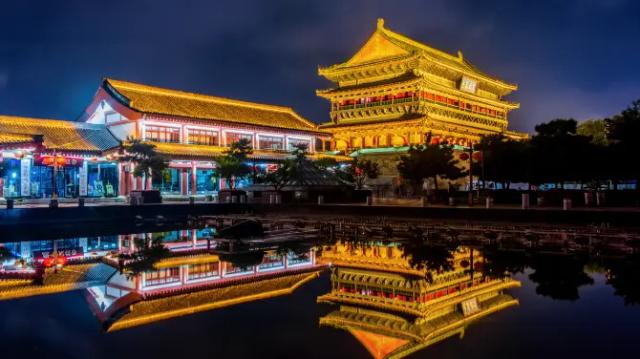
point(391, 307)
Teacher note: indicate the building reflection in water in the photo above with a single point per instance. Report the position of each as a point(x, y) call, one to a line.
point(394, 306)
point(195, 275)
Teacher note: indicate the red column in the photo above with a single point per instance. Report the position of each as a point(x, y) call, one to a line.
point(148, 185)
point(183, 181)
point(194, 188)
point(122, 180)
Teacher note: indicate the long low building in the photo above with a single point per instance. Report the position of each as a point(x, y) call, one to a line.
point(191, 129)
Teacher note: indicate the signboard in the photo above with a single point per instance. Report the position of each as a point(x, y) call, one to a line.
point(59, 160)
point(67, 253)
point(468, 85)
point(470, 306)
point(83, 179)
point(25, 176)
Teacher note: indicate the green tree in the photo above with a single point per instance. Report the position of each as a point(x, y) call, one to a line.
point(429, 161)
point(622, 131)
point(596, 129)
point(559, 154)
point(147, 161)
point(233, 165)
point(149, 251)
point(300, 163)
point(363, 170)
point(281, 176)
point(504, 159)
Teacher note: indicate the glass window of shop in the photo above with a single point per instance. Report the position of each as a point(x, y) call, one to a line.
point(233, 137)
point(67, 181)
point(11, 183)
point(206, 181)
point(169, 182)
point(295, 142)
point(102, 243)
point(102, 180)
point(270, 143)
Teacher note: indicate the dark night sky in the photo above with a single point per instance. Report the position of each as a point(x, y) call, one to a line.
point(573, 58)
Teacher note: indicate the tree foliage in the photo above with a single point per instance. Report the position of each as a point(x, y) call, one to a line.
point(363, 170)
point(148, 162)
point(233, 165)
point(429, 161)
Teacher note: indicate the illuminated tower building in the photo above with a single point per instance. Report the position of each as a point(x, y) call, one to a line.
point(395, 91)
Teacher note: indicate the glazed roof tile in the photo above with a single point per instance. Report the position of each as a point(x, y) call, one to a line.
point(157, 100)
point(57, 134)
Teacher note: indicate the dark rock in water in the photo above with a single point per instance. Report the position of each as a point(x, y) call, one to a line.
point(246, 229)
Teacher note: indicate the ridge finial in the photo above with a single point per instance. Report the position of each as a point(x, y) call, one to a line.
point(380, 23)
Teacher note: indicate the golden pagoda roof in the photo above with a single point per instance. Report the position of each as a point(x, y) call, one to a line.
point(57, 134)
point(157, 100)
point(405, 78)
point(211, 152)
point(389, 336)
point(386, 45)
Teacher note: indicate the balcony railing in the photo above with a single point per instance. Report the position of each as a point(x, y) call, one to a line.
point(413, 99)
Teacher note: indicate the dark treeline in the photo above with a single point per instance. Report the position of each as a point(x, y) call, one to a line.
point(593, 154)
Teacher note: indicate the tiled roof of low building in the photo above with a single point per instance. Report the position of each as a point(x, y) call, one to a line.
point(157, 100)
point(211, 152)
point(57, 134)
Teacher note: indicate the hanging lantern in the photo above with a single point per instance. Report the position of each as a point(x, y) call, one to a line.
point(477, 156)
point(464, 156)
point(60, 161)
point(19, 154)
point(47, 160)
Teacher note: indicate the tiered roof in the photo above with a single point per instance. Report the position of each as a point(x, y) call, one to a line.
point(386, 45)
point(163, 101)
point(56, 134)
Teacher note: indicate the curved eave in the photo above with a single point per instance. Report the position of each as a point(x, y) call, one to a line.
point(127, 102)
point(418, 49)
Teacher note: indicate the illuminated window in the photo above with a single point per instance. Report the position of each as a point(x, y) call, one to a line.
point(233, 137)
point(202, 137)
point(162, 134)
point(163, 276)
point(203, 270)
point(270, 143)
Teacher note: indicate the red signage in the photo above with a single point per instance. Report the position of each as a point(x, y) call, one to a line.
point(68, 253)
point(60, 161)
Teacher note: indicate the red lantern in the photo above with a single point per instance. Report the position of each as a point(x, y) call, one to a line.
point(477, 156)
point(60, 161)
point(19, 155)
point(47, 160)
point(464, 156)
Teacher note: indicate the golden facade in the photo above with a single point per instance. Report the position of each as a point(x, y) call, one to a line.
point(395, 91)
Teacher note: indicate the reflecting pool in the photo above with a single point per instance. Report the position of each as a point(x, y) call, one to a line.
point(321, 290)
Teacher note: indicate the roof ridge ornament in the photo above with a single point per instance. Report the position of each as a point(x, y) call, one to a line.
point(380, 24)
point(460, 56)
